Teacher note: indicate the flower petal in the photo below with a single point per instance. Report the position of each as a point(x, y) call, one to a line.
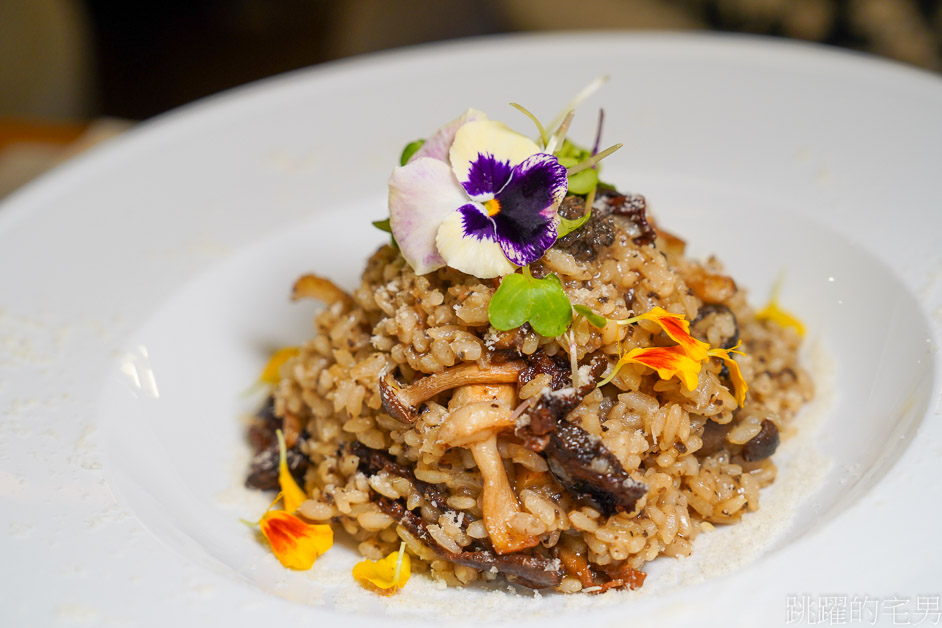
point(421, 195)
point(678, 328)
point(773, 312)
point(487, 175)
point(292, 494)
point(296, 544)
point(486, 137)
point(386, 574)
point(465, 244)
point(740, 387)
point(526, 216)
point(437, 146)
point(668, 362)
point(271, 374)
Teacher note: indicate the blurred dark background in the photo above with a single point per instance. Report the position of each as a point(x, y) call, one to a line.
point(82, 59)
point(76, 72)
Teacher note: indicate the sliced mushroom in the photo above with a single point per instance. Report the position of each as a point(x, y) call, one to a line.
point(478, 413)
point(582, 464)
point(402, 403)
point(590, 472)
point(315, 287)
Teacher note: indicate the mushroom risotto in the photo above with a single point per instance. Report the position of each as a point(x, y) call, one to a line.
point(532, 382)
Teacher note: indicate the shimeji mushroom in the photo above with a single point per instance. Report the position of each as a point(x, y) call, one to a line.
point(403, 403)
point(478, 413)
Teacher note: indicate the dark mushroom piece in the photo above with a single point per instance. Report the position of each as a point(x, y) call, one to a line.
point(403, 403)
point(372, 461)
point(527, 569)
point(632, 207)
point(590, 472)
point(763, 444)
point(582, 464)
point(716, 313)
point(263, 470)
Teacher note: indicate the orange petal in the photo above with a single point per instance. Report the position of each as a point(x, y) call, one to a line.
point(296, 544)
point(735, 375)
point(271, 374)
point(291, 492)
point(387, 574)
point(678, 328)
point(668, 362)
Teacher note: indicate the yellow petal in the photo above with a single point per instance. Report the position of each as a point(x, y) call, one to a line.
point(387, 574)
point(735, 374)
point(271, 374)
point(292, 493)
point(668, 362)
point(295, 543)
point(772, 312)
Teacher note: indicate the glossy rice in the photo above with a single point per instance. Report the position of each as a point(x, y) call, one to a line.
point(690, 449)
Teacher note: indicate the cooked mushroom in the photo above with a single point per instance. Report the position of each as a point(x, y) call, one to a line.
point(478, 413)
point(528, 569)
point(722, 318)
point(763, 444)
point(263, 472)
point(315, 287)
point(402, 403)
point(590, 472)
point(372, 461)
point(633, 207)
point(581, 463)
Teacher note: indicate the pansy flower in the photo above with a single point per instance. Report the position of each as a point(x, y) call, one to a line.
point(485, 207)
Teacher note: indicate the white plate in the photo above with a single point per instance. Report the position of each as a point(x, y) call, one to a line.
point(142, 285)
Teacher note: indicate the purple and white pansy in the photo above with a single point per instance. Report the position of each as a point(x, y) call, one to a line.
point(477, 197)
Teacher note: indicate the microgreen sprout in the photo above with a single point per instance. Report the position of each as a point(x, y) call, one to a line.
point(543, 137)
point(596, 320)
point(594, 159)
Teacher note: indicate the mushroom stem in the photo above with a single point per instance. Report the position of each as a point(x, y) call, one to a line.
point(478, 413)
point(500, 504)
point(312, 286)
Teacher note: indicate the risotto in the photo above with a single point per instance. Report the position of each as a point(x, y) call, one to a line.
point(418, 414)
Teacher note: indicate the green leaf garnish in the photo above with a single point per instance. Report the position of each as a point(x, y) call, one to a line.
point(567, 226)
point(572, 152)
point(522, 298)
point(596, 320)
point(409, 151)
point(571, 155)
point(383, 225)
